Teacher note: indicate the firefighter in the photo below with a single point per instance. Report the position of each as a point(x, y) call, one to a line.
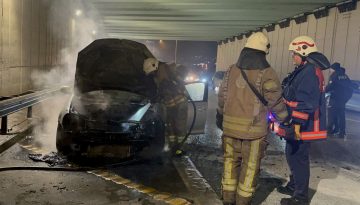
point(171, 92)
point(304, 95)
point(341, 89)
point(244, 117)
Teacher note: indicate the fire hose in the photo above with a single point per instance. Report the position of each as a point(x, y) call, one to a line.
point(63, 169)
point(177, 150)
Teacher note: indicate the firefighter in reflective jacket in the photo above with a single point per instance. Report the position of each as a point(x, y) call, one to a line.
point(305, 98)
point(171, 92)
point(244, 117)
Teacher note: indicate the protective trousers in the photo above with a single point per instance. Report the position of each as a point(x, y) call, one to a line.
point(176, 123)
point(241, 168)
point(336, 118)
point(297, 156)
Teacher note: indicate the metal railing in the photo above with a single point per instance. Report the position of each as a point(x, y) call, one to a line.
point(12, 105)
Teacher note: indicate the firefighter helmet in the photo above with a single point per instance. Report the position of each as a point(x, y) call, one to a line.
point(258, 41)
point(303, 45)
point(150, 65)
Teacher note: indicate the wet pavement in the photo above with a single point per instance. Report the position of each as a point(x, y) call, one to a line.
point(335, 164)
point(160, 180)
point(141, 182)
point(335, 171)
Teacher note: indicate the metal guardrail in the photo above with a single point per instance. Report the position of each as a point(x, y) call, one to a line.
point(12, 105)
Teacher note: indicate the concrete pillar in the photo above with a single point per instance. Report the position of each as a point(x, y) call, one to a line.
point(28, 43)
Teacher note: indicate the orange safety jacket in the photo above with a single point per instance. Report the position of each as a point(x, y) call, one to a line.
point(305, 99)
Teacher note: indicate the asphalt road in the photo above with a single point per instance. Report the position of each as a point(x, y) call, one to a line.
point(335, 172)
point(334, 162)
point(160, 180)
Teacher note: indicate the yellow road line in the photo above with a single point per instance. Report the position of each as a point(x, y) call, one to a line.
point(178, 201)
point(109, 176)
point(159, 196)
point(26, 146)
point(31, 148)
point(162, 196)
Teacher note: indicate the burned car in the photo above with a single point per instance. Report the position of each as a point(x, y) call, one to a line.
point(110, 113)
point(110, 110)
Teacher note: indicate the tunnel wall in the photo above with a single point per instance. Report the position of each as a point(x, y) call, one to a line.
point(28, 43)
point(337, 36)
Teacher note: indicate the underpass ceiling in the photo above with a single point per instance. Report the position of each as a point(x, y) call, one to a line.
point(195, 19)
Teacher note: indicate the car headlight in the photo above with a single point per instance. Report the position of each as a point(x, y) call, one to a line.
point(191, 78)
point(72, 122)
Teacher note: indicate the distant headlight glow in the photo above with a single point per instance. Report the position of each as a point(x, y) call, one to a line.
point(191, 78)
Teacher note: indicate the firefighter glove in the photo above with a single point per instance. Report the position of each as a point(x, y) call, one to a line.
point(297, 132)
point(219, 120)
point(289, 130)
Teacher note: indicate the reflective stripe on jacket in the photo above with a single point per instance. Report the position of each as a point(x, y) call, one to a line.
point(171, 87)
point(305, 98)
point(245, 117)
point(174, 101)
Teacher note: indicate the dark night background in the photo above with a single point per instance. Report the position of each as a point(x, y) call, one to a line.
point(200, 56)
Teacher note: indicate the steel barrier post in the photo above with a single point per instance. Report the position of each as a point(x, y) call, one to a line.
point(29, 112)
point(4, 122)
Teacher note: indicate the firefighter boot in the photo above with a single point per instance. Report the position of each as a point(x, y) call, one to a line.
point(285, 190)
point(294, 201)
point(228, 198)
point(178, 150)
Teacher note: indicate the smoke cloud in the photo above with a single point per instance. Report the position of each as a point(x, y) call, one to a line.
point(75, 23)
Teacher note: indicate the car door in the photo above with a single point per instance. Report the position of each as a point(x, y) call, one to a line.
point(354, 102)
point(198, 92)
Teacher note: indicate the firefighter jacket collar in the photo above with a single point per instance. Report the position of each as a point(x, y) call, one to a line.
point(252, 59)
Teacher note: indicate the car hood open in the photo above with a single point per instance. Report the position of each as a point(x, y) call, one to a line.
point(113, 64)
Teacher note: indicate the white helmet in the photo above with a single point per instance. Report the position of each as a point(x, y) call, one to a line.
point(303, 45)
point(258, 41)
point(150, 65)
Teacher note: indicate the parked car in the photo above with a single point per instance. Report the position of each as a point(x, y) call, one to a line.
point(110, 113)
point(354, 103)
point(217, 79)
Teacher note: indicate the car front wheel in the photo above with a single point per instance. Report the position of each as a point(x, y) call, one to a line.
point(62, 142)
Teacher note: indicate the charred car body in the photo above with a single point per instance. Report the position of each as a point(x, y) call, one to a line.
point(110, 111)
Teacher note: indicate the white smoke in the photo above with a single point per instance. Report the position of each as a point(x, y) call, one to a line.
point(75, 23)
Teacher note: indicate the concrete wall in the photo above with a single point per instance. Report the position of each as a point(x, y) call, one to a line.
point(337, 36)
point(28, 43)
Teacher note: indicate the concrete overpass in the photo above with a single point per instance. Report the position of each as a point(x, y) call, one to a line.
point(41, 36)
point(39, 41)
